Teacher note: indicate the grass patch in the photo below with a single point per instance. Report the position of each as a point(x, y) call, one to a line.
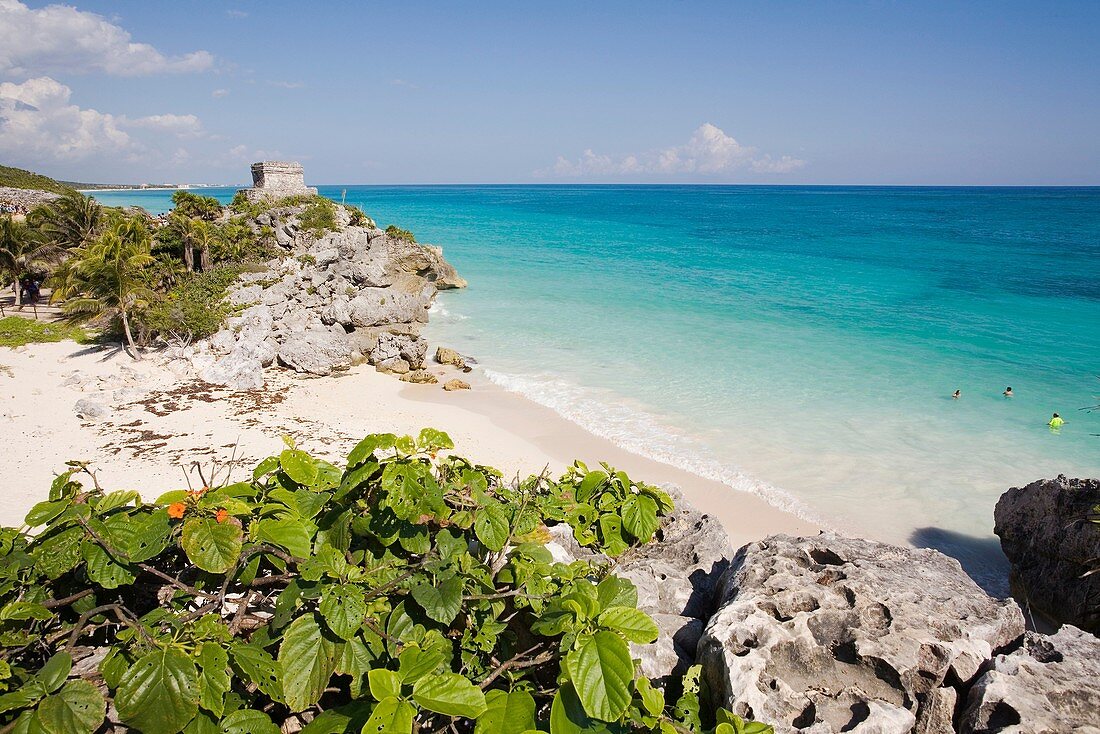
point(17, 178)
point(401, 234)
point(16, 331)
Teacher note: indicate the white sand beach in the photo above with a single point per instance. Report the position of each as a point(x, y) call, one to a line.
point(159, 424)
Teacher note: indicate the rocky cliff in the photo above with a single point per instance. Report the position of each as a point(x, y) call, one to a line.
point(349, 295)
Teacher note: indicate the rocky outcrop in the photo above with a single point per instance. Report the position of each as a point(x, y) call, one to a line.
point(1052, 546)
point(445, 355)
point(830, 634)
point(21, 201)
point(351, 295)
point(1051, 684)
point(452, 385)
point(676, 577)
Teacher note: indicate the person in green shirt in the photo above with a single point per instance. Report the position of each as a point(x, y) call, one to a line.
point(1056, 421)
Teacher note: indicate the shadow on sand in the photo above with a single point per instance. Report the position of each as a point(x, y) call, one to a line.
point(981, 558)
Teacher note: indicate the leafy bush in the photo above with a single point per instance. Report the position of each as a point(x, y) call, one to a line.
point(235, 241)
point(193, 308)
point(407, 591)
point(359, 217)
point(402, 234)
point(193, 205)
point(16, 331)
point(244, 206)
point(319, 216)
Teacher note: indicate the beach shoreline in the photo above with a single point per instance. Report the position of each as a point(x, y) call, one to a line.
point(154, 424)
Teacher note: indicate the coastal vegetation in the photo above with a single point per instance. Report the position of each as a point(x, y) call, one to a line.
point(18, 178)
point(16, 331)
point(409, 590)
point(402, 234)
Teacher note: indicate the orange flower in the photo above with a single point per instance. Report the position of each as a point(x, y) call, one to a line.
point(176, 509)
point(222, 515)
point(197, 492)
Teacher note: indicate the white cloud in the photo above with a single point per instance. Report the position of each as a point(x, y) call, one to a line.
point(236, 13)
point(287, 85)
point(219, 93)
point(709, 152)
point(184, 126)
point(62, 38)
point(39, 123)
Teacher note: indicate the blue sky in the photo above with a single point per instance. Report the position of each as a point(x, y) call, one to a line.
point(417, 92)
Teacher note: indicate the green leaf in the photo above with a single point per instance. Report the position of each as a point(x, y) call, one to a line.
point(19, 610)
point(77, 709)
point(443, 602)
point(634, 624)
point(567, 715)
point(114, 500)
point(214, 680)
point(391, 716)
point(43, 512)
point(256, 665)
point(687, 709)
point(343, 606)
point(615, 591)
point(640, 516)
point(307, 657)
point(383, 683)
point(491, 526)
point(211, 545)
point(347, 719)
point(415, 663)
point(601, 670)
point(159, 693)
point(55, 671)
point(288, 533)
point(432, 440)
point(299, 466)
point(450, 694)
point(104, 568)
point(247, 721)
point(151, 535)
point(653, 699)
point(611, 527)
point(58, 554)
point(591, 482)
point(506, 713)
point(365, 449)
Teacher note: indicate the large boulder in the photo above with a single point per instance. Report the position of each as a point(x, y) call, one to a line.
point(1052, 546)
point(1050, 684)
point(829, 634)
point(317, 351)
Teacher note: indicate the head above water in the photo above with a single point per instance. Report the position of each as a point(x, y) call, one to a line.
point(1057, 416)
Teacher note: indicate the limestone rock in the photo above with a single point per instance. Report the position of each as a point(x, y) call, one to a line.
point(444, 355)
point(450, 385)
point(237, 371)
point(1051, 547)
point(830, 634)
point(91, 410)
point(317, 352)
point(1050, 684)
point(422, 377)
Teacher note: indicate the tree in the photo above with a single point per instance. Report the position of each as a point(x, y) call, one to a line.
point(193, 205)
point(108, 277)
point(71, 221)
point(195, 235)
point(21, 250)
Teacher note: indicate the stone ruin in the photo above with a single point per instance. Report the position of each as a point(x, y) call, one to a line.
point(277, 180)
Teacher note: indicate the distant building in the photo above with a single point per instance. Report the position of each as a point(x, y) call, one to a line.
point(276, 180)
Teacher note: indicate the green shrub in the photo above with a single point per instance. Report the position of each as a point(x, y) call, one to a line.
point(244, 206)
point(235, 241)
point(319, 216)
point(16, 331)
point(402, 234)
point(194, 308)
point(407, 591)
point(359, 218)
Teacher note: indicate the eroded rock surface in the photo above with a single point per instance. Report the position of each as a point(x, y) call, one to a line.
point(831, 634)
point(1052, 546)
point(1051, 684)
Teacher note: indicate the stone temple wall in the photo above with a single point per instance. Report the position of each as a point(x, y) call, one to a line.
point(277, 180)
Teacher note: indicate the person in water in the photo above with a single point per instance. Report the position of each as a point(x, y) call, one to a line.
point(1008, 392)
point(957, 395)
point(1056, 421)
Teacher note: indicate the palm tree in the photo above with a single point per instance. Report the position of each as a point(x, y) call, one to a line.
point(70, 221)
point(107, 277)
point(21, 250)
point(196, 234)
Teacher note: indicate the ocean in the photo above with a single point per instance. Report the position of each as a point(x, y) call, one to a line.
point(800, 343)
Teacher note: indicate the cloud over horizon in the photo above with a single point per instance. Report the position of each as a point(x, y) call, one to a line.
point(709, 152)
point(61, 38)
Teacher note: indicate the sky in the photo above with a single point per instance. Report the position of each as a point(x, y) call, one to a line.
point(826, 92)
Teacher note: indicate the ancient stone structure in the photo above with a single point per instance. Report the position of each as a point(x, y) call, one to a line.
point(274, 180)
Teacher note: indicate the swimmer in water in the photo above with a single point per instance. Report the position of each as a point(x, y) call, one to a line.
point(1008, 392)
point(1056, 422)
point(957, 395)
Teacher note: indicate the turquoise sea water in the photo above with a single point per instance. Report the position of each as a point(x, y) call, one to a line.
point(800, 343)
